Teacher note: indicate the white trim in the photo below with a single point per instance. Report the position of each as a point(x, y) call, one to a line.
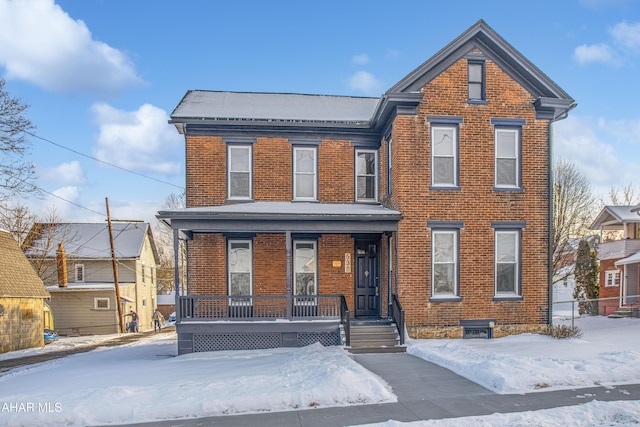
point(516, 157)
point(611, 274)
point(313, 174)
point(232, 260)
point(95, 303)
point(310, 266)
point(453, 155)
point(76, 268)
point(249, 150)
point(375, 176)
point(516, 262)
point(455, 262)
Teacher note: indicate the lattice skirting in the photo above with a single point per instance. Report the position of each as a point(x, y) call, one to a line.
point(216, 342)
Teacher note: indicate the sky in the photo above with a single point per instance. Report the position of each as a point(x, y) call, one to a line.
point(139, 382)
point(102, 78)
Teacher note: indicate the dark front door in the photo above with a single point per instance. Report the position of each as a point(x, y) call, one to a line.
point(367, 294)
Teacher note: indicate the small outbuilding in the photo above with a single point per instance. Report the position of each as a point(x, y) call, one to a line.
point(22, 296)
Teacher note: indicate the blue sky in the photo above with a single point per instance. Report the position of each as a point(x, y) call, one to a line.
point(102, 76)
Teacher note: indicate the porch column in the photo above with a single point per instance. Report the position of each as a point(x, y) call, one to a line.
point(176, 271)
point(288, 255)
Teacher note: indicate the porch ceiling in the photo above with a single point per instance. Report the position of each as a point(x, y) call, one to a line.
point(279, 217)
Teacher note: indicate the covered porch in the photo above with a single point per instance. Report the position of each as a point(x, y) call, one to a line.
point(321, 267)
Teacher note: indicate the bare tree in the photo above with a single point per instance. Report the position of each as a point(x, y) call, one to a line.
point(17, 176)
point(573, 210)
point(17, 220)
point(163, 237)
point(623, 196)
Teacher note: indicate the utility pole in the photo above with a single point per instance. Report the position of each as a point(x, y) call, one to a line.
point(115, 268)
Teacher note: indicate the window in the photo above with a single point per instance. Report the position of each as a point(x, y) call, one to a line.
point(304, 266)
point(240, 267)
point(79, 272)
point(144, 301)
point(476, 81)
point(239, 170)
point(152, 274)
point(507, 275)
point(366, 175)
point(612, 278)
point(444, 263)
point(143, 273)
point(507, 166)
point(444, 151)
point(304, 177)
point(389, 167)
point(101, 303)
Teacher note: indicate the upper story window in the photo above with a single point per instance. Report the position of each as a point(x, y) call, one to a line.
point(476, 81)
point(507, 153)
point(444, 151)
point(389, 166)
point(79, 272)
point(366, 175)
point(143, 272)
point(239, 168)
point(305, 176)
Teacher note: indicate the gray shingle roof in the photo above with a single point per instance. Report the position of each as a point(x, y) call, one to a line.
point(614, 216)
point(91, 241)
point(18, 278)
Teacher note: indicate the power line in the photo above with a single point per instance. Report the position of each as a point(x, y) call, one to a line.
point(102, 161)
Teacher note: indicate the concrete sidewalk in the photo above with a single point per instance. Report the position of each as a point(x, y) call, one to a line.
point(425, 391)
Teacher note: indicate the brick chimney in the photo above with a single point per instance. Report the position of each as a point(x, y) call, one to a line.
point(61, 264)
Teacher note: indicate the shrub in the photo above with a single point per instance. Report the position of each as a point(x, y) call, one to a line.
point(563, 331)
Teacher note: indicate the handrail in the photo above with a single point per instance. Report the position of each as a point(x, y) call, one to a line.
point(398, 317)
point(345, 319)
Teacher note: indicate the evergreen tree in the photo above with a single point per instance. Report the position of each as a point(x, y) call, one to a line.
point(587, 279)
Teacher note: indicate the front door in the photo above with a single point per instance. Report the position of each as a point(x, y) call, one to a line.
point(367, 293)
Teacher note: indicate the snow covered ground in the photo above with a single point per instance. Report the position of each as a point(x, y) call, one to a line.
point(142, 381)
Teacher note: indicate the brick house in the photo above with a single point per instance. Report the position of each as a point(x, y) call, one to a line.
point(619, 259)
point(428, 207)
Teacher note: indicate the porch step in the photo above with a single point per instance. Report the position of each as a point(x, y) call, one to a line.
point(623, 312)
point(375, 337)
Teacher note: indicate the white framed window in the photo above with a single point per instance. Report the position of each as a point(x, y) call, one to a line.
point(143, 272)
point(612, 278)
point(305, 268)
point(239, 168)
point(444, 263)
point(101, 303)
point(389, 166)
point(305, 179)
point(79, 272)
point(507, 262)
point(507, 157)
point(366, 175)
point(240, 269)
point(444, 156)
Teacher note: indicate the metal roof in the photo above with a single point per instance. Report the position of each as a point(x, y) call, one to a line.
point(633, 259)
point(277, 107)
point(90, 240)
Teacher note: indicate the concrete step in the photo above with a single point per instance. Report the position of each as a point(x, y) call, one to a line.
point(375, 337)
point(366, 350)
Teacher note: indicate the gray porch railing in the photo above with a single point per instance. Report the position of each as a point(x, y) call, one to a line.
point(398, 317)
point(345, 319)
point(260, 307)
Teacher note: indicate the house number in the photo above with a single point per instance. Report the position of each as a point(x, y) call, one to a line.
point(347, 263)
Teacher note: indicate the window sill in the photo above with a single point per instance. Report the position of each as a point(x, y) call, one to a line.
point(230, 200)
point(477, 101)
point(368, 202)
point(445, 299)
point(508, 298)
point(305, 201)
point(451, 188)
point(509, 189)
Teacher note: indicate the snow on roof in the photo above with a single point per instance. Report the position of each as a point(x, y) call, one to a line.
point(612, 216)
point(633, 259)
point(82, 286)
point(201, 104)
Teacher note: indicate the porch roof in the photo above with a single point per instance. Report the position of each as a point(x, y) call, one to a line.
point(614, 217)
point(274, 217)
point(633, 259)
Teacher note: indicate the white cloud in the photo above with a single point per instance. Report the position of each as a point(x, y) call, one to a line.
point(600, 52)
point(360, 59)
point(628, 35)
point(581, 141)
point(365, 82)
point(41, 43)
point(64, 174)
point(139, 140)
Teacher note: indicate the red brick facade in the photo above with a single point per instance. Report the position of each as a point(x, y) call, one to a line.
point(475, 207)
